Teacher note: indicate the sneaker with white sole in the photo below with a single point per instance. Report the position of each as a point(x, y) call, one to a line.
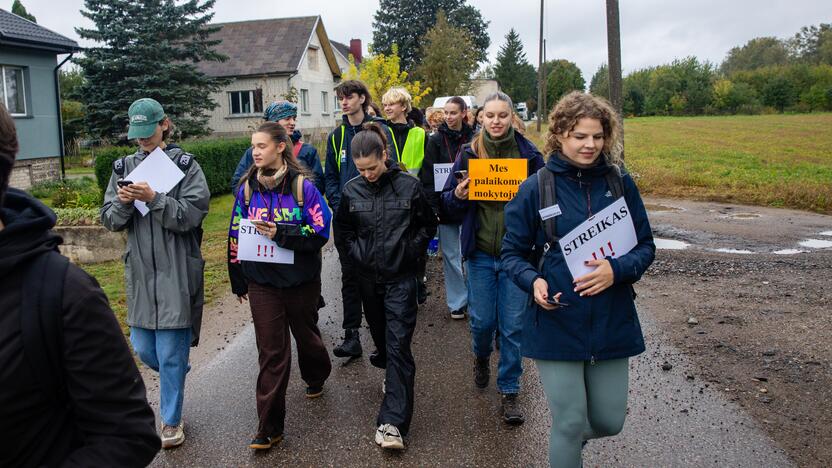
point(173, 436)
point(389, 437)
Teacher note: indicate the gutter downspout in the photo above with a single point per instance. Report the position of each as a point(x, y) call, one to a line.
point(60, 117)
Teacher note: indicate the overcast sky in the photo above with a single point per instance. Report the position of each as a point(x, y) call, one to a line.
point(653, 31)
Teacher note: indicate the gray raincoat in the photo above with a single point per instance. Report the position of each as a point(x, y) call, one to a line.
point(163, 264)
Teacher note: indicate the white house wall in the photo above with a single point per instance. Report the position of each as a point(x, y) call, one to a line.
point(221, 120)
point(316, 119)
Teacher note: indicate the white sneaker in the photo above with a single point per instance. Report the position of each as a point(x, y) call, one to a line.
point(173, 436)
point(384, 386)
point(389, 437)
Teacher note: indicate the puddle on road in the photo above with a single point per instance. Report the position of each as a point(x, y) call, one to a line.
point(788, 252)
point(826, 233)
point(742, 216)
point(670, 244)
point(816, 244)
point(734, 251)
point(658, 207)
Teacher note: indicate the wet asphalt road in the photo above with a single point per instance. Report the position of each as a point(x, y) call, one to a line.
point(674, 418)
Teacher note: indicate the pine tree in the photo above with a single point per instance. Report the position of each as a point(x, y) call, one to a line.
point(448, 59)
point(599, 85)
point(20, 10)
point(515, 74)
point(405, 22)
point(148, 49)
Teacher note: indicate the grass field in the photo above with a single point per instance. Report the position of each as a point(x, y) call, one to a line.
point(772, 160)
point(111, 274)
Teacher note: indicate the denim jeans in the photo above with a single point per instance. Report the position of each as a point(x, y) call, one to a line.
point(166, 352)
point(456, 291)
point(495, 301)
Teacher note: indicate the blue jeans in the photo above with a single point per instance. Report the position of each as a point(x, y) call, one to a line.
point(495, 301)
point(456, 291)
point(166, 352)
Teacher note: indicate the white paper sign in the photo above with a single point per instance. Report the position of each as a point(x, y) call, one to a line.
point(610, 233)
point(160, 173)
point(440, 175)
point(255, 247)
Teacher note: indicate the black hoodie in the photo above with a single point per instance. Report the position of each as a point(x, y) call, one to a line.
point(109, 422)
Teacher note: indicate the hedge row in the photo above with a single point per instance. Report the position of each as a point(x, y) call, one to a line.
point(218, 159)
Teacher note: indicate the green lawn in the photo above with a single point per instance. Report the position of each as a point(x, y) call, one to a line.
point(111, 274)
point(773, 160)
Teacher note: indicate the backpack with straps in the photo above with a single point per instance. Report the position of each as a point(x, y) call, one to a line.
point(548, 197)
point(297, 190)
point(41, 322)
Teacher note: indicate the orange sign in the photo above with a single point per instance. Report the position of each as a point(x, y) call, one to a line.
point(496, 179)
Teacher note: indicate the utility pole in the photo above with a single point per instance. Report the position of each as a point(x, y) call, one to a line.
point(614, 57)
point(540, 84)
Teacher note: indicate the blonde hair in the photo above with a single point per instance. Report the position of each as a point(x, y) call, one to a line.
point(576, 106)
point(398, 95)
point(518, 124)
point(478, 144)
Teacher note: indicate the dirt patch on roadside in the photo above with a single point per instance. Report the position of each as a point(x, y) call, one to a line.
point(759, 333)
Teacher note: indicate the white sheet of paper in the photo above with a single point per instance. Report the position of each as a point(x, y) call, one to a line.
point(610, 233)
point(440, 175)
point(255, 247)
point(160, 173)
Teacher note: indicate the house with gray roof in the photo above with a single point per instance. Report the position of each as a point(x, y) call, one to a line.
point(271, 59)
point(29, 90)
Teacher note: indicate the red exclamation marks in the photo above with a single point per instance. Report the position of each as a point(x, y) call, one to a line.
point(258, 250)
point(612, 252)
point(602, 252)
point(594, 257)
point(272, 251)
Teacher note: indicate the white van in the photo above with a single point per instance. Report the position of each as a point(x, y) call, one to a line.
point(470, 101)
point(522, 110)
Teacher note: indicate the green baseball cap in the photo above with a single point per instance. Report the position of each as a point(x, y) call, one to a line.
point(144, 115)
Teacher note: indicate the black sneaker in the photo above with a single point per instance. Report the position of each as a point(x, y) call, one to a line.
point(422, 292)
point(459, 314)
point(482, 372)
point(351, 347)
point(511, 411)
point(314, 391)
point(265, 443)
point(378, 360)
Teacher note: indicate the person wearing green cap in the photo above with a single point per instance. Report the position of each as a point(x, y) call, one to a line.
point(163, 264)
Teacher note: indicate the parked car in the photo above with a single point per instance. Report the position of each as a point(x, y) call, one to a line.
point(470, 101)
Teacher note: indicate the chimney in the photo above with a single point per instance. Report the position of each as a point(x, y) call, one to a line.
point(355, 50)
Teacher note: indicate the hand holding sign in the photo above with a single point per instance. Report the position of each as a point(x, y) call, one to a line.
point(593, 283)
point(461, 190)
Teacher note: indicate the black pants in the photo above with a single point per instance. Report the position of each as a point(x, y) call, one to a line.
point(390, 309)
point(350, 295)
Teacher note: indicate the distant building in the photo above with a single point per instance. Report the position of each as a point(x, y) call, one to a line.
point(481, 88)
point(29, 90)
point(271, 59)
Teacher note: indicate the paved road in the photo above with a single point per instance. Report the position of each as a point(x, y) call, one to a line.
point(674, 419)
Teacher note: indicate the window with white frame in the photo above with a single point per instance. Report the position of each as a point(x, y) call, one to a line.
point(13, 90)
point(324, 102)
point(304, 100)
point(245, 102)
point(337, 105)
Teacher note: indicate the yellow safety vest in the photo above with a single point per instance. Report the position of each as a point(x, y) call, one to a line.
point(413, 153)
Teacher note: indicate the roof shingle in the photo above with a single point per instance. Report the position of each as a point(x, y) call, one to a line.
point(19, 31)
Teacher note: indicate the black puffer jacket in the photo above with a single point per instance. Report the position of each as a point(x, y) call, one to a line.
point(385, 225)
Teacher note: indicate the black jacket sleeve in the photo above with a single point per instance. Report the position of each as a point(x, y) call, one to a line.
point(425, 219)
point(105, 388)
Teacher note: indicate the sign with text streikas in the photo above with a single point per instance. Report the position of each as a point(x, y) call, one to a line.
point(441, 171)
point(496, 179)
point(609, 233)
point(255, 247)
point(160, 173)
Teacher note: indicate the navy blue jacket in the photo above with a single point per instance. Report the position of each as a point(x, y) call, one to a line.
point(604, 326)
point(335, 175)
point(454, 210)
point(308, 155)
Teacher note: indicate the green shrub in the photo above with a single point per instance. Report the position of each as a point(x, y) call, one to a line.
point(77, 216)
point(217, 157)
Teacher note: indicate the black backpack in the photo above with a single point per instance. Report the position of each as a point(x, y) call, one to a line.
point(41, 321)
point(548, 197)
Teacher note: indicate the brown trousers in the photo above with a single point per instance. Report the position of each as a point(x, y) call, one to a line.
point(275, 311)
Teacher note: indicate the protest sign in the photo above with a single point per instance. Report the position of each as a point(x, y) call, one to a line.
point(610, 233)
point(440, 175)
point(496, 179)
point(255, 247)
point(160, 173)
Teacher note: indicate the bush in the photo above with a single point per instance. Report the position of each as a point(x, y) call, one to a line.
point(77, 216)
point(217, 157)
point(70, 193)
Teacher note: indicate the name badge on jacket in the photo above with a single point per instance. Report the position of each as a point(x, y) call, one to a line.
point(549, 212)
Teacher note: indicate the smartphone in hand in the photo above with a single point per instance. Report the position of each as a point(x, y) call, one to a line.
point(124, 183)
point(461, 174)
point(555, 302)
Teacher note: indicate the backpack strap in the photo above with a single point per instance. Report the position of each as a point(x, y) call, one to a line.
point(118, 167)
point(548, 196)
point(615, 181)
point(41, 321)
point(297, 190)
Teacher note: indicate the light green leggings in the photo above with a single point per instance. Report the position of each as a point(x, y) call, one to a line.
point(587, 401)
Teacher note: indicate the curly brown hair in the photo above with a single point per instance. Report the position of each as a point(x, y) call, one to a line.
point(576, 106)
